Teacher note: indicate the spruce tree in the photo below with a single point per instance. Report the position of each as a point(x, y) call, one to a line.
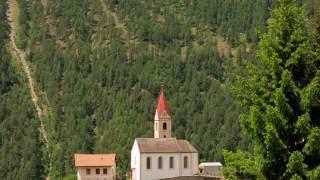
point(282, 94)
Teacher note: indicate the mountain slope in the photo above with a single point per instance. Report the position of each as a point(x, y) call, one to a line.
point(20, 146)
point(102, 63)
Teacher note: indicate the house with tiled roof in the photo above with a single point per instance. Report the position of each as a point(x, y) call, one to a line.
point(95, 166)
point(162, 156)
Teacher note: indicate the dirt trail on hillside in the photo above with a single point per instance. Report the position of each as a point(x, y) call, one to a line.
point(125, 33)
point(48, 18)
point(118, 23)
point(49, 21)
point(21, 55)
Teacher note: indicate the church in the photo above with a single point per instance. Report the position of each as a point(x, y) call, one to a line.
point(162, 156)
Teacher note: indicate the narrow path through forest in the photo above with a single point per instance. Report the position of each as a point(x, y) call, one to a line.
point(48, 18)
point(122, 26)
point(49, 21)
point(21, 55)
point(118, 23)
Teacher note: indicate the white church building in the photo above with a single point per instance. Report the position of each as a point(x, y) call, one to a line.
point(162, 156)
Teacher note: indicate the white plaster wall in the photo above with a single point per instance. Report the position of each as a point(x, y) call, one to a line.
point(78, 175)
point(135, 161)
point(155, 173)
point(192, 164)
point(195, 163)
point(82, 173)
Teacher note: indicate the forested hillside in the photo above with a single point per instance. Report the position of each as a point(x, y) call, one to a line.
point(20, 147)
point(99, 65)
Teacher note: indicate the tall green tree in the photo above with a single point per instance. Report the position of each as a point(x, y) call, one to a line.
point(241, 165)
point(282, 94)
point(100, 75)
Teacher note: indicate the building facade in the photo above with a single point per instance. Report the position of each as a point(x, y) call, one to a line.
point(162, 156)
point(153, 159)
point(95, 166)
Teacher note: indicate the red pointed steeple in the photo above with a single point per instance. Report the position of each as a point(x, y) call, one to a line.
point(162, 118)
point(162, 104)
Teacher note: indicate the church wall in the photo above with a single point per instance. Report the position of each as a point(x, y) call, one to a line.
point(135, 162)
point(166, 172)
point(192, 164)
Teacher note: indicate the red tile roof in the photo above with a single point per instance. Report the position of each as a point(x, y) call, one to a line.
point(165, 145)
point(162, 104)
point(94, 160)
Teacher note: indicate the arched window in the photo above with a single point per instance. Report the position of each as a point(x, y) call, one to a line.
point(171, 161)
point(160, 162)
point(164, 126)
point(148, 162)
point(185, 161)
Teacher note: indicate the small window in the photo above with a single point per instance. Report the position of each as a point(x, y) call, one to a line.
point(88, 171)
point(148, 162)
point(185, 161)
point(164, 126)
point(159, 162)
point(105, 171)
point(97, 171)
point(171, 162)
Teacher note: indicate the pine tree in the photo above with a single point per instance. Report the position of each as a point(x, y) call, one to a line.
point(282, 94)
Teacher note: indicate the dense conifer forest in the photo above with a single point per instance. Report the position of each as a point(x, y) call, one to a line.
point(98, 67)
point(20, 146)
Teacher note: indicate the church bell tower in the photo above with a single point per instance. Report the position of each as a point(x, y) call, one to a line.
point(162, 118)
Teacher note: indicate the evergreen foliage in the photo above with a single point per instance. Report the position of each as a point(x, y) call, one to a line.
point(20, 146)
point(103, 86)
point(99, 66)
point(240, 165)
point(282, 96)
